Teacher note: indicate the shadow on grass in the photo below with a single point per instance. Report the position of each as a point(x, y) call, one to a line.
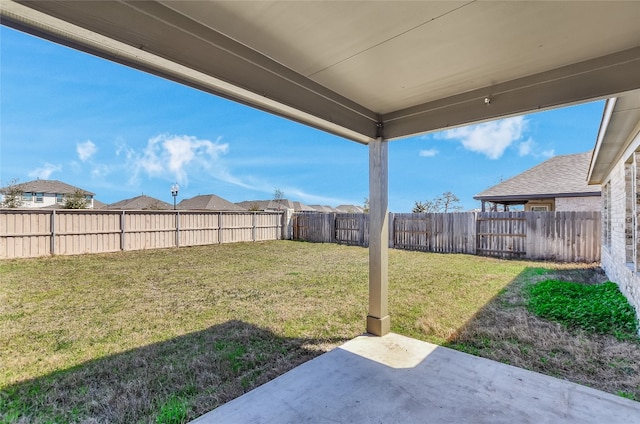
point(172, 381)
point(505, 331)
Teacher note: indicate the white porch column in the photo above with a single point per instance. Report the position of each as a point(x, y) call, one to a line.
point(378, 322)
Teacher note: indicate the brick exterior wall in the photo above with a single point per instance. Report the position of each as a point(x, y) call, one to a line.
point(587, 204)
point(621, 240)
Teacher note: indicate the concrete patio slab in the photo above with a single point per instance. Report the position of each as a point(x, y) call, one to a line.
point(396, 379)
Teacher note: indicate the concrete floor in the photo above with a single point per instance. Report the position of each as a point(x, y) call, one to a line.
point(395, 379)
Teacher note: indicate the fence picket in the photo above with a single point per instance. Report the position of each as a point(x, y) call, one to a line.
point(31, 233)
point(562, 236)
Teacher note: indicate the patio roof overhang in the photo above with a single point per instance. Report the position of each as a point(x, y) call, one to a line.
point(362, 69)
point(367, 71)
point(619, 127)
point(524, 198)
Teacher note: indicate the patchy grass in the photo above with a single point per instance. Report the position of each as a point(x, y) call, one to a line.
point(167, 335)
point(507, 330)
point(597, 308)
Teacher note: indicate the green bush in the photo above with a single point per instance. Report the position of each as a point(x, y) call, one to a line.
point(597, 308)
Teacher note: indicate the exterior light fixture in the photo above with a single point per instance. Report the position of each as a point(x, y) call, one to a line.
point(174, 193)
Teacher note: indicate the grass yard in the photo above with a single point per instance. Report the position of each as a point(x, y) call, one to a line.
point(163, 336)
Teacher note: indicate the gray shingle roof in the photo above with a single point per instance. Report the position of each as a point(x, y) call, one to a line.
point(272, 205)
point(209, 202)
point(560, 176)
point(50, 186)
point(140, 203)
point(349, 209)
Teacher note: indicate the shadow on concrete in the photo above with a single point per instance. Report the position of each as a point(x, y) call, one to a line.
point(173, 380)
point(396, 379)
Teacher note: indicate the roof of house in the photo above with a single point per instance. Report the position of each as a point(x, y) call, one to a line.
point(349, 209)
point(98, 204)
point(274, 205)
point(49, 186)
point(209, 202)
point(560, 176)
point(616, 134)
point(323, 208)
point(319, 70)
point(142, 202)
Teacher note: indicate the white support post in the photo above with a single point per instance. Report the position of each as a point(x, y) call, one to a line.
point(378, 322)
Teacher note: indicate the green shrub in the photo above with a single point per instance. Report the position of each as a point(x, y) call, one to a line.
point(597, 308)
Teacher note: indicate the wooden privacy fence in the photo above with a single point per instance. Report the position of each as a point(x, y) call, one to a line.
point(557, 236)
point(27, 233)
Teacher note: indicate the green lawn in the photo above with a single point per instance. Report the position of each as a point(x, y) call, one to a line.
point(166, 335)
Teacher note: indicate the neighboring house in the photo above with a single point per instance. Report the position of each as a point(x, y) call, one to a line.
point(273, 205)
point(616, 166)
point(98, 204)
point(48, 194)
point(324, 208)
point(350, 209)
point(557, 184)
point(141, 202)
point(209, 202)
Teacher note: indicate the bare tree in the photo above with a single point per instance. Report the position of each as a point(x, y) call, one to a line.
point(278, 197)
point(428, 206)
point(447, 202)
point(13, 194)
point(365, 207)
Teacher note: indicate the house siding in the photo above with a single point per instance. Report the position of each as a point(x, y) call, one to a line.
point(621, 244)
point(586, 204)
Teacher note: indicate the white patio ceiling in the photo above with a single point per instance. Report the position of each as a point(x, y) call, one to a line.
point(363, 69)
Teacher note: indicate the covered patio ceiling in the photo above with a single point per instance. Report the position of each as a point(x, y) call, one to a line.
point(363, 69)
point(366, 71)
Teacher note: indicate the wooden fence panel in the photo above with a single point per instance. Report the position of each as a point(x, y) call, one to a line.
point(27, 233)
point(268, 226)
point(559, 236)
point(351, 228)
point(199, 228)
point(501, 234)
point(316, 227)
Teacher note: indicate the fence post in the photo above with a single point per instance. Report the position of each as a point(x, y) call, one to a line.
point(253, 227)
point(122, 231)
point(220, 214)
point(53, 232)
point(177, 228)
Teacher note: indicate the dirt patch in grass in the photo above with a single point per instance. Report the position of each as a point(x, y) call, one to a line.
point(505, 330)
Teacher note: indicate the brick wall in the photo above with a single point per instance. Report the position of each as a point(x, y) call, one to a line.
point(620, 258)
point(587, 204)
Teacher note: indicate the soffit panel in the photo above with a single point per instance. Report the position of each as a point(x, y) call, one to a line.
point(621, 131)
point(481, 45)
point(388, 56)
point(313, 35)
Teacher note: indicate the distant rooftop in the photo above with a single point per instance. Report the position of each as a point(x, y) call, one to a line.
point(209, 202)
point(142, 202)
point(49, 186)
point(560, 176)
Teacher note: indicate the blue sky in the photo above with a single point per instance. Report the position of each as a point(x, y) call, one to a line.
point(119, 133)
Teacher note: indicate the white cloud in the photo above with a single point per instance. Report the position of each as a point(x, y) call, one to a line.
point(171, 156)
point(491, 138)
point(549, 153)
point(86, 150)
point(525, 147)
point(45, 171)
point(428, 153)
